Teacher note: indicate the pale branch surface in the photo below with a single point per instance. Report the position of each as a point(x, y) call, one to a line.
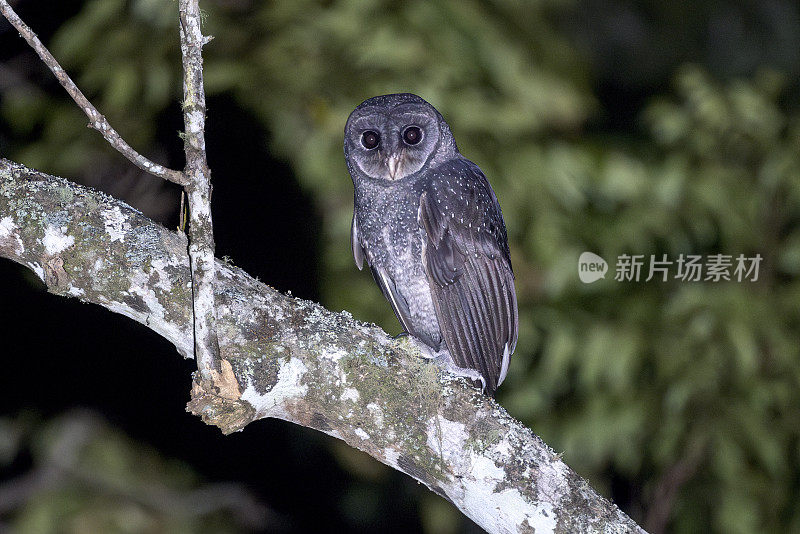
point(294, 360)
point(198, 190)
point(96, 119)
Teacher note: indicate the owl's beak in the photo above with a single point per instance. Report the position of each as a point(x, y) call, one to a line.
point(393, 162)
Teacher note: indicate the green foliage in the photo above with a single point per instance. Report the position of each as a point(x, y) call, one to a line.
point(691, 386)
point(87, 477)
point(640, 377)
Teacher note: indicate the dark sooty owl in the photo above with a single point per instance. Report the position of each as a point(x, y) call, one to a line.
point(429, 225)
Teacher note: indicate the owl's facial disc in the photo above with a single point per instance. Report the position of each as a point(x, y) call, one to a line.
point(392, 144)
point(394, 162)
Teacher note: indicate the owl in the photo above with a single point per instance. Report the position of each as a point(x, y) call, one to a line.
point(429, 226)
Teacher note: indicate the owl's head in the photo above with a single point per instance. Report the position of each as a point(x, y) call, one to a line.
point(390, 137)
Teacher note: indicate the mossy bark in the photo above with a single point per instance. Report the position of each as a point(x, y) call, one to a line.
point(292, 359)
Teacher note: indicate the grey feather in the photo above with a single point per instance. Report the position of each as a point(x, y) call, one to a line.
point(358, 252)
point(430, 228)
point(469, 269)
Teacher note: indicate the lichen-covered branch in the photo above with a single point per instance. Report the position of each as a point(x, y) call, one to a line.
point(96, 119)
point(294, 360)
point(198, 191)
point(196, 178)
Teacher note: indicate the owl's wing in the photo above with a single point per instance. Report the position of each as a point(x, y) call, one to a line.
point(386, 283)
point(467, 261)
point(355, 244)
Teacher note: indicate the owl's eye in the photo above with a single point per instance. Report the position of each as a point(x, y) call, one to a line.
point(412, 135)
point(370, 139)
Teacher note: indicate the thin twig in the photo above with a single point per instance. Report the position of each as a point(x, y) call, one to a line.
point(299, 362)
point(198, 190)
point(670, 484)
point(96, 119)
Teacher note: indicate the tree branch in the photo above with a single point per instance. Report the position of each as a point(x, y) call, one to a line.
point(196, 178)
point(198, 191)
point(96, 119)
point(294, 360)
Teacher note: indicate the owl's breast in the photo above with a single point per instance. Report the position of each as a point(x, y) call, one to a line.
point(405, 267)
point(393, 240)
point(387, 221)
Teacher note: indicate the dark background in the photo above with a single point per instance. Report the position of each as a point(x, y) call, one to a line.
point(612, 126)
